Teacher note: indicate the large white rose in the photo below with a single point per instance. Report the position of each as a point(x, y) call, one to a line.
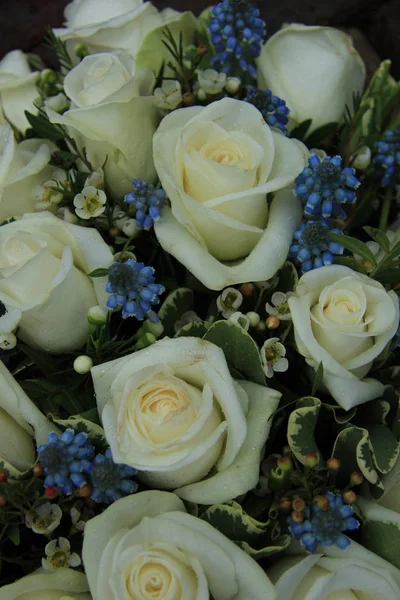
point(21, 423)
point(351, 574)
point(344, 319)
point(316, 70)
point(64, 584)
point(146, 546)
point(174, 412)
point(103, 25)
point(17, 89)
point(23, 167)
point(217, 165)
point(44, 267)
point(113, 116)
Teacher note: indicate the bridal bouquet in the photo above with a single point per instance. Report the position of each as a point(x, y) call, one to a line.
point(199, 312)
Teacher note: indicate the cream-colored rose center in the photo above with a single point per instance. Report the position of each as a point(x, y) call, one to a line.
point(343, 307)
point(18, 248)
point(104, 77)
point(352, 595)
point(227, 153)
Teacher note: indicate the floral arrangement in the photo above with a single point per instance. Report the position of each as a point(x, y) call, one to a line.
point(199, 313)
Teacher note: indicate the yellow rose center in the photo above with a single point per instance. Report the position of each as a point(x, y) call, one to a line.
point(155, 581)
point(227, 152)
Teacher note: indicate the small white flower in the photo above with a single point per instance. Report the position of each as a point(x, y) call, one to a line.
point(210, 81)
point(90, 202)
point(66, 215)
point(59, 103)
point(362, 158)
point(169, 95)
point(49, 195)
point(280, 306)
point(59, 555)
point(241, 320)
point(96, 179)
point(9, 322)
point(229, 301)
point(75, 516)
point(273, 357)
point(44, 519)
point(125, 223)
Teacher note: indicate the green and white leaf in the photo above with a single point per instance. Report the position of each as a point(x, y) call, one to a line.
point(354, 450)
point(79, 424)
point(301, 426)
point(385, 446)
point(194, 329)
point(174, 306)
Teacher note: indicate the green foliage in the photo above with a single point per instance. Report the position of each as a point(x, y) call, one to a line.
point(382, 538)
point(43, 128)
point(173, 307)
point(299, 132)
point(300, 430)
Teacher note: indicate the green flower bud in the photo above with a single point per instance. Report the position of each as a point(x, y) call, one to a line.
point(81, 50)
point(97, 315)
point(48, 76)
point(254, 318)
point(145, 340)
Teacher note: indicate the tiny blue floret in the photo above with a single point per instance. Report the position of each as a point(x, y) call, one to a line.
point(132, 286)
point(66, 460)
point(272, 108)
point(387, 159)
point(324, 185)
point(312, 246)
point(237, 33)
point(325, 527)
point(111, 481)
point(148, 202)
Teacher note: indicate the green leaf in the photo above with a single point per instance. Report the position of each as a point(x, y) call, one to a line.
point(268, 549)
point(379, 237)
point(231, 520)
point(349, 261)
point(355, 246)
point(63, 159)
point(13, 534)
point(43, 128)
point(387, 276)
point(319, 374)
point(101, 272)
point(288, 277)
point(46, 363)
point(195, 329)
point(174, 306)
point(354, 450)
point(385, 447)
point(79, 424)
point(241, 351)
point(382, 538)
point(301, 427)
point(321, 135)
point(300, 131)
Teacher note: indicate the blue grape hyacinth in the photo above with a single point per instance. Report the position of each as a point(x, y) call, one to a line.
point(312, 246)
point(148, 202)
point(386, 161)
point(272, 108)
point(132, 286)
point(66, 460)
point(324, 185)
point(325, 527)
point(237, 32)
point(111, 481)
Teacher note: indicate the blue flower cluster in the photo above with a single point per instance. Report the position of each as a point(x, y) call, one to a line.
point(237, 32)
point(387, 158)
point(272, 108)
point(148, 202)
point(312, 246)
point(325, 526)
point(132, 286)
point(69, 462)
point(324, 185)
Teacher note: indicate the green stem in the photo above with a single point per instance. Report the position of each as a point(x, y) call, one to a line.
point(387, 201)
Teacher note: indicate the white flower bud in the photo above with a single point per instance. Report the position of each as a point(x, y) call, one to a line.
point(59, 103)
point(97, 315)
point(254, 318)
point(210, 81)
point(362, 158)
point(232, 85)
point(83, 364)
point(66, 215)
point(201, 95)
point(241, 319)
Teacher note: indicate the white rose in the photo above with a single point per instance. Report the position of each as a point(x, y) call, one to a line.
point(217, 165)
point(64, 584)
point(21, 423)
point(354, 573)
point(17, 89)
point(113, 116)
point(344, 319)
point(316, 70)
point(23, 167)
point(103, 25)
point(44, 267)
point(174, 412)
point(146, 546)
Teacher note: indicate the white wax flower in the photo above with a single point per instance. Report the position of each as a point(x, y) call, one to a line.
point(280, 307)
point(210, 81)
point(273, 354)
point(44, 519)
point(229, 301)
point(49, 194)
point(59, 555)
point(17, 89)
point(90, 203)
point(240, 319)
point(169, 95)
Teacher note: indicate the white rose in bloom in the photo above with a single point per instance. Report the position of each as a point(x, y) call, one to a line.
point(316, 70)
point(17, 89)
point(217, 165)
point(44, 267)
point(23, 167)
point(113, 116)
point(64, 584)
point(174, 412)
point(21, 425)
point(146, 546)
point(104, 25)
point(344, 319)
point(351, 574)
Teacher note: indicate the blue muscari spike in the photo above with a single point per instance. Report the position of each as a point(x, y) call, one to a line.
point(325, 527)
point(111, 481)
point(148, 202)
point(237, 32)
point(272, 108)
point(386, 161)
point(66, 460)
point(324, 184)
point(132, 287)
point(312, 247)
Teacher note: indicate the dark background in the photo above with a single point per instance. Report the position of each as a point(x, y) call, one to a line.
point(375, 24)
